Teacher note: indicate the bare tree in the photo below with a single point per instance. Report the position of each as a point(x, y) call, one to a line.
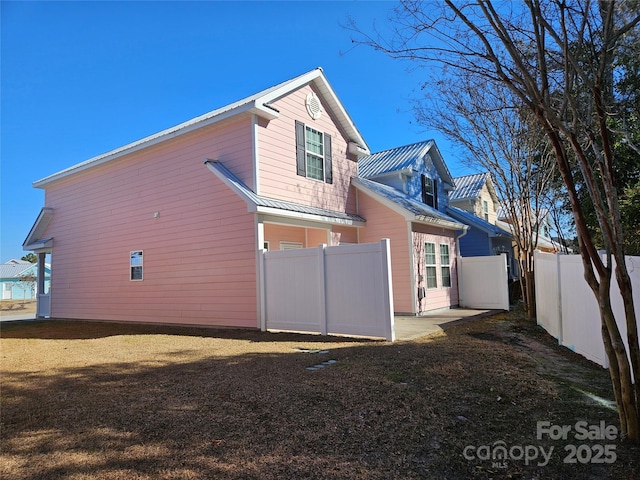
point(27, 282)
point(499, 136)
point(557, 57)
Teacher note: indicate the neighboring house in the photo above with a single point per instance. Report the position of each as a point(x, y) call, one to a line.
point(403, 194)
point(476, 194)
point(475, 203)
point(14, 280)
point(542, 234)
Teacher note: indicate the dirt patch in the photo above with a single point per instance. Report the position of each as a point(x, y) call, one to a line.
point(88, 400)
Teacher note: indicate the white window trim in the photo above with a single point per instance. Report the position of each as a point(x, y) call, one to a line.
point(265, 245)
point(308, 152)
point(431, 265)
point(131, 266)
point(447, 266)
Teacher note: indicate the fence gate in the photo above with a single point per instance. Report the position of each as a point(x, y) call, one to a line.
point(483, 282)
point(343, 290)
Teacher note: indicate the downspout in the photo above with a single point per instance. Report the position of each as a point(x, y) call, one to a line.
point(459, 264)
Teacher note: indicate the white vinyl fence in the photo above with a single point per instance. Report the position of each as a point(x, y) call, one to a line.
point(344, 290)
point(483, 282)
point(567, 308)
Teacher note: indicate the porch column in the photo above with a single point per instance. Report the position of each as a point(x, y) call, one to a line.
point(41, 274)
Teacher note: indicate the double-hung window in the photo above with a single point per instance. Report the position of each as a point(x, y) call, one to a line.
point(445, 265)
point(314, 145)
point(313, 153)
point(485, 209)
point(430, 264)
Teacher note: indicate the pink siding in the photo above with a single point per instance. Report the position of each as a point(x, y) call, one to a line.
point(309, 237)
point(277, 159)
point(440, 297)
point(340, 234)
point(382, 222)
point(199, 254)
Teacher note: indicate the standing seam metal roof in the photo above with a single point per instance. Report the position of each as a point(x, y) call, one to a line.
point(468, 186)
point(422, 212)
point(392, 160)
point(261, 201)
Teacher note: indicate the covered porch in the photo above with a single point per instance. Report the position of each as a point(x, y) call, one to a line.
point(37, 243)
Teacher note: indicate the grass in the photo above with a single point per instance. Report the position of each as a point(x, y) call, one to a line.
point(86, 400)
point(17, 306)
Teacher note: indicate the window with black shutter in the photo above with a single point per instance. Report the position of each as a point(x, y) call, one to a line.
point(429, 191)
point(313, 153)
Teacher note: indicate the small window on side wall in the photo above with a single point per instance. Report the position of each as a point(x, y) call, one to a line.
point(135, 265)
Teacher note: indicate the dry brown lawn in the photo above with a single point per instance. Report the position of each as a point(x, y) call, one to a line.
point(17, 306)
point(85, 400)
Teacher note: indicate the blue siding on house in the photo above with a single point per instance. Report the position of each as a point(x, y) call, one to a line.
point(475, 244)
point(426, 166)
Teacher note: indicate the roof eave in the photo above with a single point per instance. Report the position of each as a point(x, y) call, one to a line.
point(253, 107)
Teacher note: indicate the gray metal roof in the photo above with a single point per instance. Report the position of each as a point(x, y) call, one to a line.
point(468, 186)
point(474, 221)
point(259, 201)
point(14, 268)
point(402, 158)
point(257, 103)
point(423, 213)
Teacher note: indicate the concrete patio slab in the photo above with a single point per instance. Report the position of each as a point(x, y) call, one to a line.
point(412, 327)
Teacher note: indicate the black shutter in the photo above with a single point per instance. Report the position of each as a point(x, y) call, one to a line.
point(423, 181)
point(328, 167)
point(435, 194)
point(301, 156)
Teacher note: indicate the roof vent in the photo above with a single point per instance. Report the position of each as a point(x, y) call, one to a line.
point(313, 106)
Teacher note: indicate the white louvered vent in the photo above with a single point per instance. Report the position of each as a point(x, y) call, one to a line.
point(313, 106)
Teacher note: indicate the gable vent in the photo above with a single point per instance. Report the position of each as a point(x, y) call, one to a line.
point(313, 106)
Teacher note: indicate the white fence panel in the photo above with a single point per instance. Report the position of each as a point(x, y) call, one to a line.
point(483, 282)
point(547, 296)
point(293, 297)
point(359, 290)
point(633, 267)
point(329, 290)
point(577, 323)
point(580, 313)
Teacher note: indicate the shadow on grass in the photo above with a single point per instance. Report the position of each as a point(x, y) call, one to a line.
point(379, 411)
point(53, 329)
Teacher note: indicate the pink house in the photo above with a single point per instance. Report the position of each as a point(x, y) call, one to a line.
point(168, 229)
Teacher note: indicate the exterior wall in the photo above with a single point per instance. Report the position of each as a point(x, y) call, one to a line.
point(308, 237)
point(475, 243)
point(342, 235)
point(199, 253)
point(414, 184)
point(440, 297)
point(479, 207)
point(277, 159)
point(382, 222)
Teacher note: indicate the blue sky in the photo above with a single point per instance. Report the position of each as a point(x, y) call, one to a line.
point(81, 78)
